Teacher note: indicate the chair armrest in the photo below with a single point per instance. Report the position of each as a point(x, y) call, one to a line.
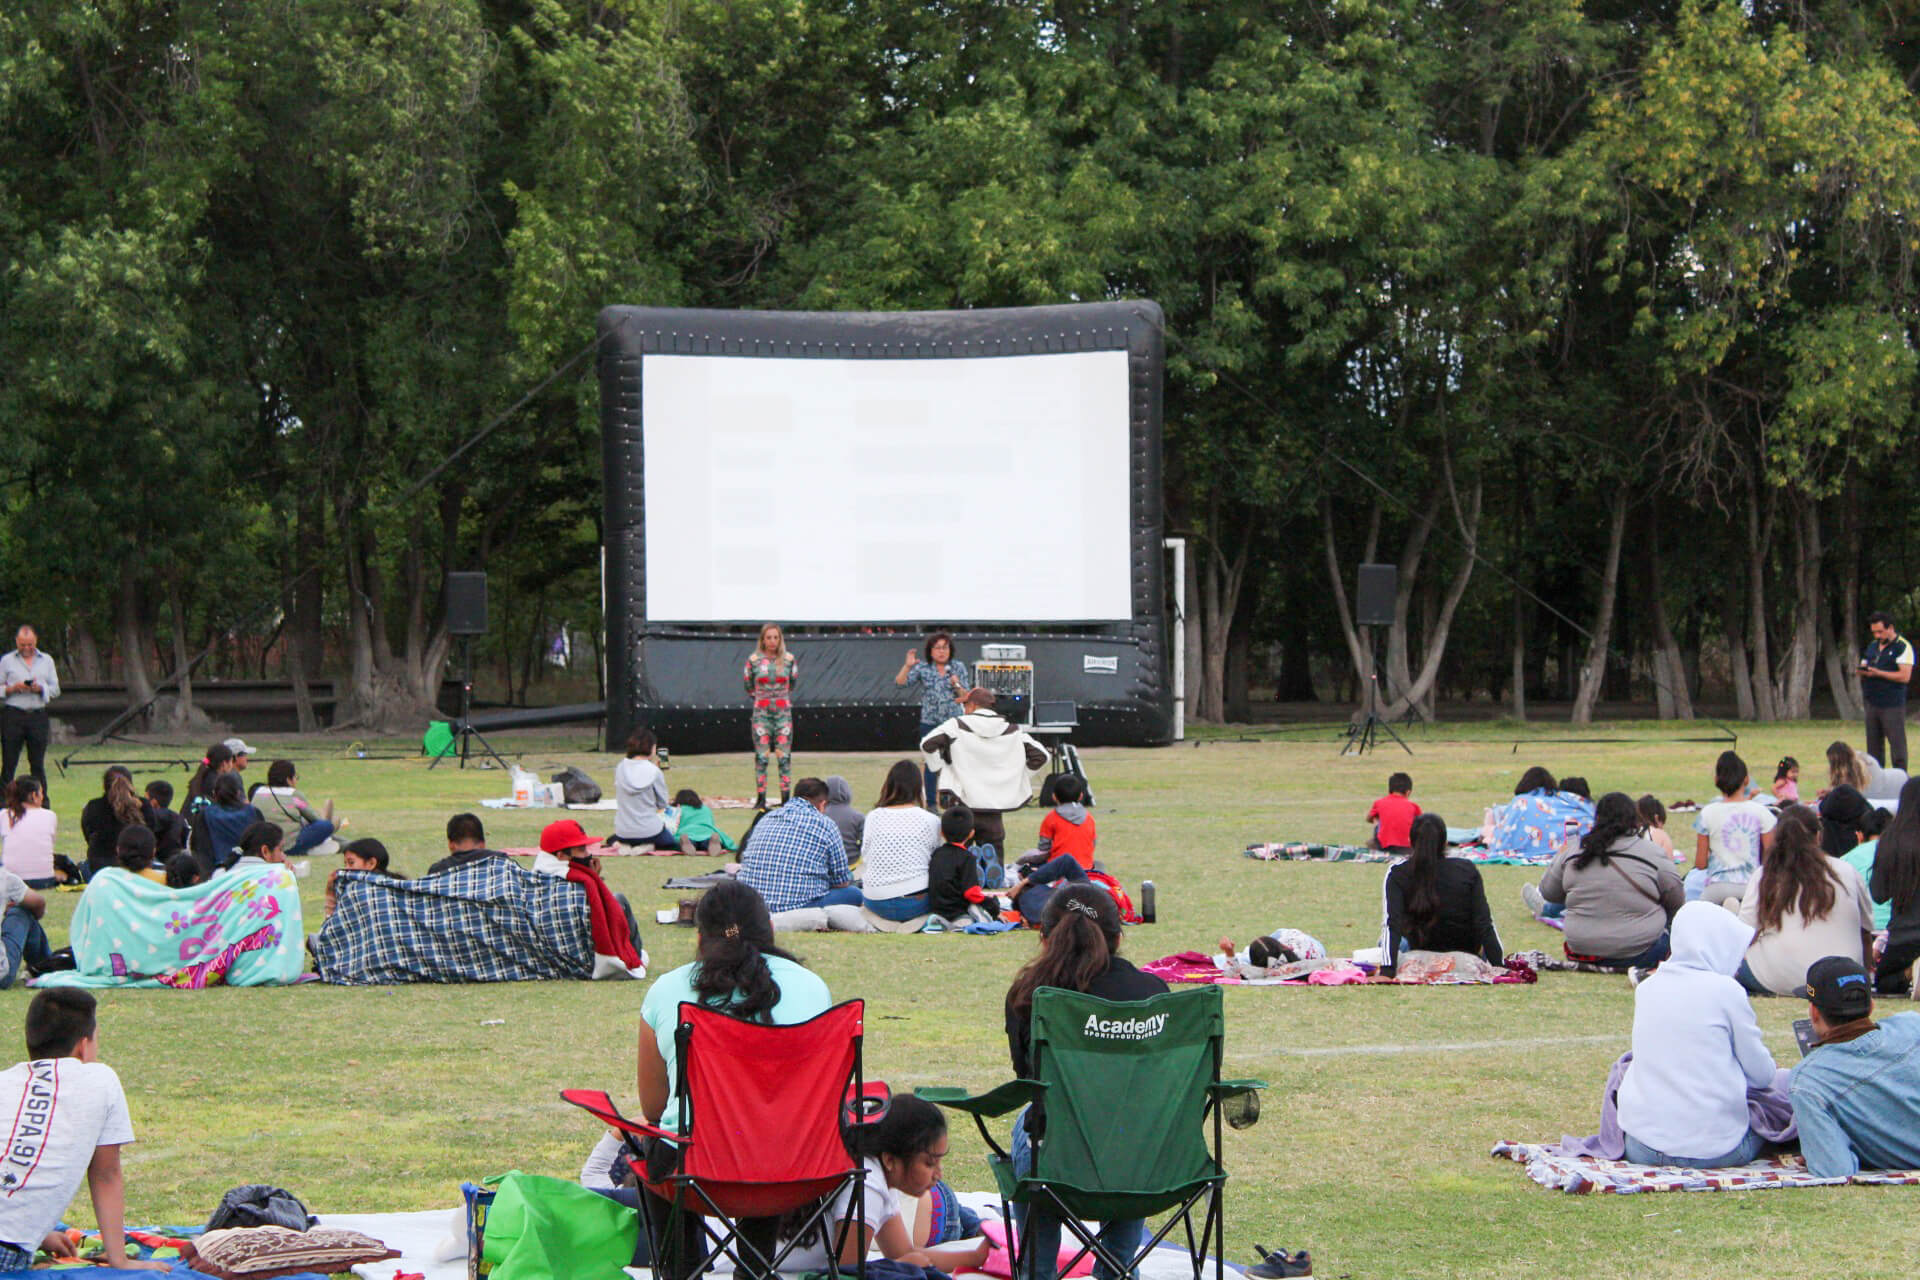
point(995, 1102)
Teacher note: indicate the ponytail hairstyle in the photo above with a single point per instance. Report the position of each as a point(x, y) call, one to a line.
point(1798, 873)
point(736, 937)
point(210, 765)
point(1079, 932)
point(1616, 816)
point(19, 791)
point(1535, 779)
point(1652, 812)
point(1429, 840)
point(260, 837)
point(225, 791)
point(1897, 856)
point(117, 786)
point(1785, 768)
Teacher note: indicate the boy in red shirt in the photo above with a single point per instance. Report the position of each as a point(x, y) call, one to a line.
point(1069, 828)
point(1392, 816)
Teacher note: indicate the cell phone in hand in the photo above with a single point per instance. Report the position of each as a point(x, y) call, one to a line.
point(1803, 1035)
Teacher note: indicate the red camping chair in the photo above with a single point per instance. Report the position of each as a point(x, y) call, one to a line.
point(758, 1128)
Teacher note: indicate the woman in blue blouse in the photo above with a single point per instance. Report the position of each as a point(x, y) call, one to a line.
point(942, 682)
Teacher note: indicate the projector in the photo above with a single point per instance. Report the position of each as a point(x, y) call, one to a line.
point(1003, 653)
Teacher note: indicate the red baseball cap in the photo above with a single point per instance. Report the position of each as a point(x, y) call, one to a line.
point(566, 834)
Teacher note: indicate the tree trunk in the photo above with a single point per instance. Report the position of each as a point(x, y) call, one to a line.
point(1360, 654)
point(1219, 598)
point(1737, 654)
point(1236, 702)
point(1518, 694)
point(177, 607)
point(1190, 622)
point(130, 633)
point(1759, 533)
point(1669, 669)
point(1419, 691)
point(1593, 673)
point(82, 655)
point(1795, 700)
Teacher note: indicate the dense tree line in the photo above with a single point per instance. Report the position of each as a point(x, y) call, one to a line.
point(1597, 319)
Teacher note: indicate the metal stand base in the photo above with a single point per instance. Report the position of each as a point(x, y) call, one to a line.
point(463, 727)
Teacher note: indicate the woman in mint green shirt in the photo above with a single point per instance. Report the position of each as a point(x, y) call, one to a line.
point(738, 968)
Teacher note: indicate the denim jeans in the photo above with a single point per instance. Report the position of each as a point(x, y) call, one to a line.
point(24, 939)
point(846, 896)
point(1039, 1229)
point(927, 776)
point(1041, 882)
point(317, 832)
point(897, 909)
point(1746, 1152)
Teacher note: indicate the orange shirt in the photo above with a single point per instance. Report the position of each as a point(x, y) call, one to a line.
point(1075, 838)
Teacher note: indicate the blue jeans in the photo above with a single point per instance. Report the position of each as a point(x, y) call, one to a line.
point(25, 940)
point(317, 832)
point(1040, 883)
point(1552, 910)
point(845, 896)
point(928, 776)
point(896, 909)
point(1746, 1152)
point(1744, 976)
point(1039, 1229)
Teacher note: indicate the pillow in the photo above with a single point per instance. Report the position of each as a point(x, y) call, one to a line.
point(258, 1253)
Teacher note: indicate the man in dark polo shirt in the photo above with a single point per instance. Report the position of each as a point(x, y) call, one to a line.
point(1886, 666)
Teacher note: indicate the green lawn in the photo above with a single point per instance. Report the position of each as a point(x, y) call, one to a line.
point(1372, 1149)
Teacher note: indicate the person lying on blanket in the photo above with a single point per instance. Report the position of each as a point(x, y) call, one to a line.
point(1269, 951)
point(1697, 1049)
point(1856, 1095)
point(70, 1121)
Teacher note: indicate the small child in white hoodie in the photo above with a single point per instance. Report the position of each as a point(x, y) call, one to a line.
point(1696, 1050)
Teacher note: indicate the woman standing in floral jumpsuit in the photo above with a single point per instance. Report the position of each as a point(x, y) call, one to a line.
point(769, 677)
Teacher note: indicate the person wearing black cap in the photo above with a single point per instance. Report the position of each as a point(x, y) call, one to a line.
point(1856, 1095)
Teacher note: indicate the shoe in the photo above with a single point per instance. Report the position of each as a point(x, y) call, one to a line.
point(1280, 1265)
point(1536, 902)
point(1637, 975)
point(760, 802)
point(784, 797)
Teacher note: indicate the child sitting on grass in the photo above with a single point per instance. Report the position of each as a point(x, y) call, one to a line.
point(953, 876)
point(70, 1121)
point(1392, 816)
point(1068, 830)
point(364, 854)
point(169, 828)
point(1653, 816)
point(1734, 835)
point(1786, 781)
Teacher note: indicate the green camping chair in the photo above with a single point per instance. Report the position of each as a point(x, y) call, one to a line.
point(1132, 1091)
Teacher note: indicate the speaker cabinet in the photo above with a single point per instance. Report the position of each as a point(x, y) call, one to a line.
point(467, 604)
point(1373, 597)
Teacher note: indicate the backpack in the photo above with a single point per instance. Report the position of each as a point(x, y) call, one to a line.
point(577, 787)
point(258, 1205)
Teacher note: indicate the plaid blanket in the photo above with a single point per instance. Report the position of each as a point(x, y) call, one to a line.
point(1305, 851)
point(1585, 1175)
point(487, 921)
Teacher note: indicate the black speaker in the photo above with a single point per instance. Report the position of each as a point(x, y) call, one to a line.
point(467, 604)
point(1373, 598)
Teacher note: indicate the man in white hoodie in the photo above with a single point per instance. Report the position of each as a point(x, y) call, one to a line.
point(987, 762)
point(1697, 1049)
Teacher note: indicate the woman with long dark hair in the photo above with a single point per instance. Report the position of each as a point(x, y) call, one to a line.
point(898, 837)
point(1436, 903)
point(1803, 905)
point(942, 682)
point(117, 806)
point(1896, 879)
point(739, 969)
point(1079, 951)
point(1620, 890)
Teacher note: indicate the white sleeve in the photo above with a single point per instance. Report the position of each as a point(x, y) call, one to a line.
point(602, 1162)
point(1768, 818)
point(116, 1125)
point(12, 888)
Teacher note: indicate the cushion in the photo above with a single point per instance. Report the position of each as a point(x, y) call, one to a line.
point(257, 1253)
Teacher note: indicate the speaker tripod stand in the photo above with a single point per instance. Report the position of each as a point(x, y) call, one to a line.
point(1362, 733)
point(463, 729)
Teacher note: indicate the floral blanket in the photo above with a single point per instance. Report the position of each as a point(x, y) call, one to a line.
point(242, 929)
point(1551, 1167)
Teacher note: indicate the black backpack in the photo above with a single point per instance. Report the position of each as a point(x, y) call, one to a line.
point(577, 787)
point(258, 1205)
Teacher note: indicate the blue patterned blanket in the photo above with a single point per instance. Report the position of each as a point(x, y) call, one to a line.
point(487, 921)
point(242, 928)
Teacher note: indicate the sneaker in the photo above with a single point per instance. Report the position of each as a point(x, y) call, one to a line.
point(1536, 903)
point(1278, 1264)
point(1637, 975)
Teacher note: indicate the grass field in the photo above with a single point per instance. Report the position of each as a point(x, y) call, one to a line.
point(1372, 1147)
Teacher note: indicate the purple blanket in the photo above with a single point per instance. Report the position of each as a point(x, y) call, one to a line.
point(1769, 1112)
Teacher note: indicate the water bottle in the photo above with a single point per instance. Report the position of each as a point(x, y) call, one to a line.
point(1146, 902)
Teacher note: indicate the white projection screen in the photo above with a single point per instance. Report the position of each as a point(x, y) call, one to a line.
point(857, 491)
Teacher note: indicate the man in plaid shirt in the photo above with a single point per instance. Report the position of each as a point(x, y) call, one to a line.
point(795, 857)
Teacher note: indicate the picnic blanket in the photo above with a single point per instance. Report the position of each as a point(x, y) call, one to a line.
point(1418, 969)
point(486, 921)
point(1551, 1167)
point(242, 928)
point(1310, 851)
point(1541, 962)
